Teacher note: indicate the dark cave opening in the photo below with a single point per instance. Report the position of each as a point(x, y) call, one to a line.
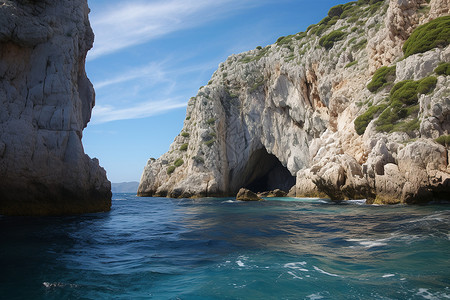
point(264, 172)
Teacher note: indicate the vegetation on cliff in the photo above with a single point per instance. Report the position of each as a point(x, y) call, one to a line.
point(443, 69)
point(400, 113)
point(328, 40)
point(444, 140)
point(435, 33)
point(382, 77)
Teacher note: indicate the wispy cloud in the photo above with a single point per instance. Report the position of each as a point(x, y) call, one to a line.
point(153, 72)
point(108, 113)
point(135, 22)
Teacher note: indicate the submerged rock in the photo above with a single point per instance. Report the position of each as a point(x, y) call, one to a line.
point(46, 101)
point(300, 112)
point(247, 195)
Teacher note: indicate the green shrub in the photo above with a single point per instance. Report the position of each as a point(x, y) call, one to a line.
point(210, 142)
point(178, 162)
point(259, 47)
point(350, 10)
point(184, 147)
point(371, 2)
point(246, 59)
point(170, 169)
point(435, 33)
point(300, 35)
point(198, 159)
point(404, 92)
point(280, 39)
point(444, 140)
point(328, 40)
point(360, 45)
point(403, 103)
point(310, 27)
point(185, 134)
point(211, 121)
point(188, 118)
point(336, 11)
point(427, 85)
point(351, 64)
point(375, 7)
point(353, 19)
point(443, 69)
point(363, 120)
point(382, 77)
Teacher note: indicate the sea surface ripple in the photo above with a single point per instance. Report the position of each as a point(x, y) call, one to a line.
point(218, 248)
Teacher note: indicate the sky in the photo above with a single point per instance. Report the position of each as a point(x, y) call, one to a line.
point(150, 56)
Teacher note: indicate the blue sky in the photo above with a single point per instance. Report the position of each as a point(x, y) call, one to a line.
point(149, 57)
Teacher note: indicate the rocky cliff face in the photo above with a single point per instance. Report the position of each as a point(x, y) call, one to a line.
point(300, 112)
point(46, 102)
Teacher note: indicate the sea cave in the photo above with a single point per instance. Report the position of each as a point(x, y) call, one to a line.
point(264, 172)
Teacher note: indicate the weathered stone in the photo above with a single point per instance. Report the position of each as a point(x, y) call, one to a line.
point(46, 102)
point(247, 195)
point(274, 193)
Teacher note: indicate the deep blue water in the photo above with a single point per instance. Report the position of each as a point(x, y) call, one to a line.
point(159, 248)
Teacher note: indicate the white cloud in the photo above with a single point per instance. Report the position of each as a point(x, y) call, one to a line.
point(108, 113)
point(153, 72)
point(137, 22)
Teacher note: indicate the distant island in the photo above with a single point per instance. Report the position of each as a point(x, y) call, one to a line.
point(125, 187)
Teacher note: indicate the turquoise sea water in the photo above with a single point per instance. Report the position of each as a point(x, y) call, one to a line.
point(159, 248)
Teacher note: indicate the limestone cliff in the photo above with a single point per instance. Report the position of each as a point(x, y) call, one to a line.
point(46, 102)
point(310, 111)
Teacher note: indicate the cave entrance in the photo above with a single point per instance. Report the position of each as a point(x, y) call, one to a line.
point(264, 172)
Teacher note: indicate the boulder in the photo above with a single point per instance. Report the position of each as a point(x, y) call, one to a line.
point(274, 193)
point(247, 195)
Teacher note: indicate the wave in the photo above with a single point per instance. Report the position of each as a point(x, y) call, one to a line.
point(231, 201)
point(428, 295)
point(297, 266)
point(58, 285)
point(369, 243)
point(324, 272)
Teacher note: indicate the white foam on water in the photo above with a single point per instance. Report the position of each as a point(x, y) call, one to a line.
point(294, 275)
point(240, 263)
point(427, 295)
point(369, 243)
point(322, 201)
point(230, 201)
point(358, 201)
point(58, 284)
point(388, 275)
point(315, 296)
point(326, 273)
point(297, 266)
point(434, 217)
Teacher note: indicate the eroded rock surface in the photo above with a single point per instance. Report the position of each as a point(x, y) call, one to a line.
point(285, 114)
point(46, 101)
point(247, 195)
